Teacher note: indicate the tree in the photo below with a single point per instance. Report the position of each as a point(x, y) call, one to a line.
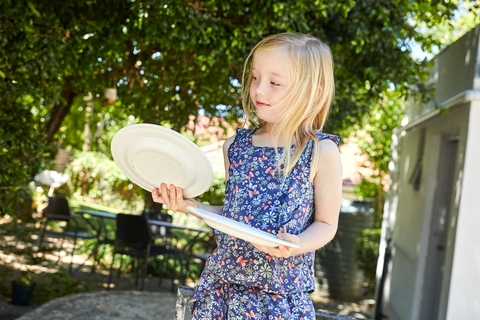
point(169, 59)
point(376, 128)
point(375, 139)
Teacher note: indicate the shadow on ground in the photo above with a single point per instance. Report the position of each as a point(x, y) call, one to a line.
point(18, 252)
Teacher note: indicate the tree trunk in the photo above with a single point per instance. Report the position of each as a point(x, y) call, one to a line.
point(149, 204)
point(58, 114)
point(87, 135)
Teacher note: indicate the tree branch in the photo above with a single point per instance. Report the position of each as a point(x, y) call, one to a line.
point(58, 114)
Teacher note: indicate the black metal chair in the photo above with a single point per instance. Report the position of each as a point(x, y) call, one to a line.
point(104, 237)
point(160, 232)
point(164, 236)
point(134, 238)
point(59, 210)
point(198, 249)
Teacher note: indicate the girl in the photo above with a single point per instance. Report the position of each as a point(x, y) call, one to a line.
point(283, 177)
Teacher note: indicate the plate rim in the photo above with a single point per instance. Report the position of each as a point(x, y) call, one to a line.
point(116, 148)
point(221, 219)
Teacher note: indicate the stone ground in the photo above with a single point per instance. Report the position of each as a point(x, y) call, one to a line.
point(159, 297)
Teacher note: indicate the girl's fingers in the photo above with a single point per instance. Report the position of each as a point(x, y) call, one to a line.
point(280, 251)
point(288, 237)
point(165, 197)
point(179, 195)
point(284, 251)
point(156, 197)
point(173, 196)
point(269, 250)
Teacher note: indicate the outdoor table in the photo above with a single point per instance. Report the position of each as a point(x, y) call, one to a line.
point(100, 214)
point(173, 226)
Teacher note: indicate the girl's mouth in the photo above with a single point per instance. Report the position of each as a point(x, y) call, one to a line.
point(261, 104)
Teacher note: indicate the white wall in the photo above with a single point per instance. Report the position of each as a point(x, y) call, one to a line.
point(410, 212)
point(453, 73)
point(464, 298)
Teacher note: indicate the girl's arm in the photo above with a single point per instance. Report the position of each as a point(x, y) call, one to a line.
point(327, 196)
point(172, 196)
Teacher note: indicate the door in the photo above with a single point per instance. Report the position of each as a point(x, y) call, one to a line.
point(438, 263)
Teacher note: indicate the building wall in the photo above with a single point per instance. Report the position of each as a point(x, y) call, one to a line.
point(453, 73)
point(410, 211)
point(454, 69)
point(464, 298)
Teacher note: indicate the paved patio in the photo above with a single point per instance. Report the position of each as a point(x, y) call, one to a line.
point(106, 305)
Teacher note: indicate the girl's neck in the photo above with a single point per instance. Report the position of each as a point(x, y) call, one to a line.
point(266, 128)
point(263, 136)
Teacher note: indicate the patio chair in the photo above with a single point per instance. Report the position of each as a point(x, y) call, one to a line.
point(164, 236)
point(197, 250)
point(134, 238)
point(59, 210)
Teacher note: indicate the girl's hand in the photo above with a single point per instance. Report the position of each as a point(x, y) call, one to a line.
point(280, 251)
point(173, 198)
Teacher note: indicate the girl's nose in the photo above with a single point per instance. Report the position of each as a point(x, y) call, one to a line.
point(260, 89)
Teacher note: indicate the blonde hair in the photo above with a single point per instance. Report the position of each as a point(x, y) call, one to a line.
point(310, 94)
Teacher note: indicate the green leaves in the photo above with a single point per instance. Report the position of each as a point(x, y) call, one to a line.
point(366, 250)
point(32, 8)
point(190, 54)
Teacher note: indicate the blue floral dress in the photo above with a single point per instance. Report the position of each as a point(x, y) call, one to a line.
point(239, 281)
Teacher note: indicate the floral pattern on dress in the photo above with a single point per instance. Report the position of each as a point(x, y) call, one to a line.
point(259, 196)
point(222, 300)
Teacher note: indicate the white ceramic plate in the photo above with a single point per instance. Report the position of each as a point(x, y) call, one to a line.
point(149, 155)
point(240, 230)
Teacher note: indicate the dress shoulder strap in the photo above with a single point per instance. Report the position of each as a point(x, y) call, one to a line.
point(334, 138)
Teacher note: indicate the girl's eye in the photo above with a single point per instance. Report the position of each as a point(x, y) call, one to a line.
point(254, 78)
point(274, 83)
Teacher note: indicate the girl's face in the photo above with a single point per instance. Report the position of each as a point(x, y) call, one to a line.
point(270, 84)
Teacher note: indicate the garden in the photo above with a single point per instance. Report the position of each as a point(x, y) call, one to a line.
point(73, 73)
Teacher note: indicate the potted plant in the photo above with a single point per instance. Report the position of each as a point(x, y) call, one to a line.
point(22, 289)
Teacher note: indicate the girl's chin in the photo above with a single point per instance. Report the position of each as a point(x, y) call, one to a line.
point(270, 118)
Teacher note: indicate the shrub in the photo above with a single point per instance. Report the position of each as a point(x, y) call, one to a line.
point(96, 178)
point(60, 285)
point(366, 253)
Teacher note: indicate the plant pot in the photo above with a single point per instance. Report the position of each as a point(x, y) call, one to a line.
point(21, 294)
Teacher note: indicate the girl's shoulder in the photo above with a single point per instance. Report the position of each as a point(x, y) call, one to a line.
point(240, 135)
point(336, 139)
point(228, 142)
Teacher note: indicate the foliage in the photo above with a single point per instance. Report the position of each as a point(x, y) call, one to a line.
point(26, 278)
point(96, 177)
point(170, 59)
point(466, 18)
point(366, 253)
point(104, 120)
point(215, 195)
point(366, 189)
point(21, 154)
point(375, 138)
point(61, 284)
point(378, 124)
